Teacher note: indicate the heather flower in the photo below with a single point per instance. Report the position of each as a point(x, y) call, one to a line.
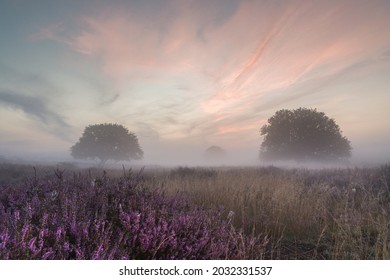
point(47, 255)
point(59, 233)
point(17, 215)
point(66, 246)
point(4, 238)
point(31, 243)
point(25, 231)
point(96, 255)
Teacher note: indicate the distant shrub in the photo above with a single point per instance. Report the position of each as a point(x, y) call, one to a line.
point(193, 172)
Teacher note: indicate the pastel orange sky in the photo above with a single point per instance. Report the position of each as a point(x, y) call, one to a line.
point(185, 75)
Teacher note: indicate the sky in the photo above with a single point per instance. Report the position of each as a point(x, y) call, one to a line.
point(185, 75)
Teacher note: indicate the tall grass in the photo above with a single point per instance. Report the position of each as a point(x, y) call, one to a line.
point(195, 213)
point(305, 214)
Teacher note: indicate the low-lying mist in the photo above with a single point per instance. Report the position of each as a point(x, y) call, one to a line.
point(196, 157)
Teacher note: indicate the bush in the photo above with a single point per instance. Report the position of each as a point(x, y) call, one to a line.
point(193, 172)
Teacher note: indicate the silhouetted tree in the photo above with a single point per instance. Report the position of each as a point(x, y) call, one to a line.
point(107, 142)
point(215, 153)
point(303, 134)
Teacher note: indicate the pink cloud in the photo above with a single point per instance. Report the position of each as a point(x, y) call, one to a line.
point(118, 44)
point(259, 50)
point(308, 43)
point(126, 45)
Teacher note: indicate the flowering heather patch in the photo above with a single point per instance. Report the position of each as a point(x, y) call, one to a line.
point(84, 217)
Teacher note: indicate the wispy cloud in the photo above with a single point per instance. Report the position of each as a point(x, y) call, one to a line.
point(249, 57)
point(305, 48)
point(52, 32)
point(33, 106)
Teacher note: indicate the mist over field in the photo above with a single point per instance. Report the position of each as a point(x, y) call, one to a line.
point(195, 158)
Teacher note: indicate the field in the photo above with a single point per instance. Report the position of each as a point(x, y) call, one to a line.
point(194, 213)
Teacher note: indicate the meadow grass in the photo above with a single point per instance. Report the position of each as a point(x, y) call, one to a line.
point(195, 213)
point(304, 214)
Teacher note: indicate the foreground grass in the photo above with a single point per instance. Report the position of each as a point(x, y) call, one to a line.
point(195, 213)
point(305, 214)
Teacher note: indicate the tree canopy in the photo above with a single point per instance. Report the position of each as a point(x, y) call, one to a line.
point(107, 142)
point(303, 134)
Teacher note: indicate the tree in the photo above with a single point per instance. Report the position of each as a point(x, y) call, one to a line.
point(105, 142)
point(215, 153)
point(303, 134)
